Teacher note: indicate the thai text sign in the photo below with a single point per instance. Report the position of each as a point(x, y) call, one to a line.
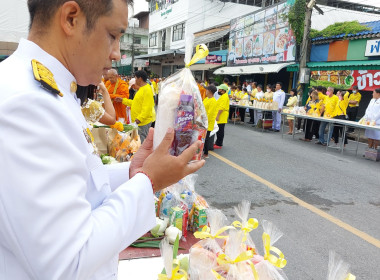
point(366, 80)
point(262, 37)
point(213, 59)
point(372, 48)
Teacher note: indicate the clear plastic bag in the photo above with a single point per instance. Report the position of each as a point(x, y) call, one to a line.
point(180, 106)
point(172, 266)
point(338, 269)
point(246, 225)
point(203, 254)
point(270, 266)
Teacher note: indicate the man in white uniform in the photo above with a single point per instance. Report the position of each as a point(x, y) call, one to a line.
point(279, 97)
point(63, 215)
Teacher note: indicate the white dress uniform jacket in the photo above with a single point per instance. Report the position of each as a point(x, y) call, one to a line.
point(372, 113)
point(63, 215)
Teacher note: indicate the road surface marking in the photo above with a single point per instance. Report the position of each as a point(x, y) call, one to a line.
point(359, 233)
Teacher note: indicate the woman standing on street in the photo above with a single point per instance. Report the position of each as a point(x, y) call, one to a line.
point(372, 114)
point(292, 101)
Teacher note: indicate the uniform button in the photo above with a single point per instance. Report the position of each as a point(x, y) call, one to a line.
point(73, 87)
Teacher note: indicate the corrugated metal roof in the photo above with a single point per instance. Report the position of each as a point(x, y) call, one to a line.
point(374, 32)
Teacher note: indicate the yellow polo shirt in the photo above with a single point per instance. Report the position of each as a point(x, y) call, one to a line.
point(223, 104)
point(254, 91)
point(355, 97)
point(210, 106)
point(330, 104)
point(142, 105)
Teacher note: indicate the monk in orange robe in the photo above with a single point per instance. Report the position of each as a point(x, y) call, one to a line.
point(202, 90)
point(118, 89)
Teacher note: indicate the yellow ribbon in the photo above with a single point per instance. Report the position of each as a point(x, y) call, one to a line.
point(201, 51)
point(205, 233)
point(245, 256)
point(350, 277)
point(177, 273)
point(247, 227)
point(274, 260)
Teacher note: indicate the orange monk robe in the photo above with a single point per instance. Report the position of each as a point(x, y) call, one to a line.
point(202, 90)
point(121, 91)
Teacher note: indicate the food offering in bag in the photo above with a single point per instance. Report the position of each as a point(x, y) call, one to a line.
point(186, 128)
point(181, 107)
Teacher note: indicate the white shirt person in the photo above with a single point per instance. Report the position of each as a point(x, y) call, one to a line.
point(63, 215)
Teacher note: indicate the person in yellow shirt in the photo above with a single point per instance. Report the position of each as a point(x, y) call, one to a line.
point(222, 108)
point(242, 95)
point(353, 106)
point(142, 105)
point(340, 113)
point(327, 109)
point(292, 101)
point(210, 105)
point(313, 109)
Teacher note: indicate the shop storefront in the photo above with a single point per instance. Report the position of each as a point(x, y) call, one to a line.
point(346, 61)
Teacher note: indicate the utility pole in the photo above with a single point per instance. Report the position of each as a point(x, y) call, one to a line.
point(305, 50)
point(133, 49)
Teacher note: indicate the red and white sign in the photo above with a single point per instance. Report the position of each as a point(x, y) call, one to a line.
point(367, 80)
point(214, 59)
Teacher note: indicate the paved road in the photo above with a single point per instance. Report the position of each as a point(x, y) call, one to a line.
point(344, 186)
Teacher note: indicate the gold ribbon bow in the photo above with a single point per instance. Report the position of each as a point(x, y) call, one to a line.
point(177, 273)
point(350, 277)
point(201, 51)
point(274, 260)
point(250, 225)
point(205, 233)
point(245, 256)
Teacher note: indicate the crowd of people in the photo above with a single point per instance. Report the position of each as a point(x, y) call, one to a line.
point(321, 102)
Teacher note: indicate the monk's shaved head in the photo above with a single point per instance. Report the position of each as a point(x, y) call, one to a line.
point(112, 75)
point(42, 11)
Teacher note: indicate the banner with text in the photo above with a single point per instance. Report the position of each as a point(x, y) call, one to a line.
point(366, 80)
point(262, 37)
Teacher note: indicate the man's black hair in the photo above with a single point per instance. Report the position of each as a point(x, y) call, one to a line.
point(141, 74)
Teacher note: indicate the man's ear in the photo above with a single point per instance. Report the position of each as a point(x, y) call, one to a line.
point(70, 16)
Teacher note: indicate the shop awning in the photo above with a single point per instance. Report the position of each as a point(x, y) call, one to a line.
point(160, 54)
point(339, 65)
point(251, 69)
point(205, 67)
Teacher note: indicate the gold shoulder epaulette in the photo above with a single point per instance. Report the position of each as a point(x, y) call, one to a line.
point(45, 77)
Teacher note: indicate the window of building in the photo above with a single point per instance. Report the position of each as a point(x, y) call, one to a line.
point(178, 32)
point(153, 39)
point(137, 40)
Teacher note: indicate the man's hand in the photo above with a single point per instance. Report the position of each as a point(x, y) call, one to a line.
point(163, 168)
point(118, 99)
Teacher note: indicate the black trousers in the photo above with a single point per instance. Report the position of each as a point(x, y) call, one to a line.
point(338, 129)
point(242, 114)
point(252, 115)
point(220, 135)
point(311, 128)
point(207, 143)
point(352, 112)
point(232, 111)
